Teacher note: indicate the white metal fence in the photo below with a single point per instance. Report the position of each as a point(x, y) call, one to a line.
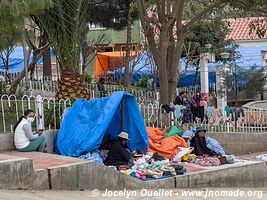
point(49, 113)
point(50, 84)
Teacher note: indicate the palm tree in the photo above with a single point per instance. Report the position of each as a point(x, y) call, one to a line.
point(64, 24)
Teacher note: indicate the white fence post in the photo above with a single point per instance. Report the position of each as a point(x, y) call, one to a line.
point(40, 112)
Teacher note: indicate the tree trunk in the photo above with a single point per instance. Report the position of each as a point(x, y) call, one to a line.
point(7, 70)
point(164, 87)
point(71, 85)
point(162, 66)
point(154, 83)
point(173, 71)
point(128, 49)
point(47, 69)
point(37, 54)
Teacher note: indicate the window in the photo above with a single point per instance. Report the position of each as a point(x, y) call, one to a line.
point(105, 49)
point(132, 48)
point(108, 49)
point(95, 26)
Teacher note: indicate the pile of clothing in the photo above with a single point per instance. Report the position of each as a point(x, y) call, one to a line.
point(262, 157)
point(153, 166)
point(206, 160)
point(166, 148)
point(94, 156)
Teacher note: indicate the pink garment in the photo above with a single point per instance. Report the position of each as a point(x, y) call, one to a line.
point(209, 161)
point(204, 103)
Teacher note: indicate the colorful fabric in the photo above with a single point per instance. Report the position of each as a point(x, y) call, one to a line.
point(189, 157)
point(188, 134)
point(214, 145)
point(209, 161)
point(154, 173)
point(210, 111)
point(166, 147)
point(227, 110)
point(174, 131)
point(230, 159)
point(177, 112)
point(94, 155)
point(262, 157)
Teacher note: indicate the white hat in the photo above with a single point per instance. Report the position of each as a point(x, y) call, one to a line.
point(124, 135)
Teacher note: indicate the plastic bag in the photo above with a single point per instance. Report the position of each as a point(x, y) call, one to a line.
point(183, 151)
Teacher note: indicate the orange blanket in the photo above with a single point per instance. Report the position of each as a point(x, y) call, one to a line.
point(166, 147)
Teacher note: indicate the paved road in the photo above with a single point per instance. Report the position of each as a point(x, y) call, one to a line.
point(214, 194)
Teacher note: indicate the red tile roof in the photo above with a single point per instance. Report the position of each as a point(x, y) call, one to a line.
point(241, 30)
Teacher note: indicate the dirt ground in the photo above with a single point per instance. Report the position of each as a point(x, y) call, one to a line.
point(207, 193)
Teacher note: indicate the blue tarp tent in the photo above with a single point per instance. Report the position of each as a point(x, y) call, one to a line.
point(87, 122)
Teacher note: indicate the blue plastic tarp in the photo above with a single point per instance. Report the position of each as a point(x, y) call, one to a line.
point(87, 122)
point(16, 61)
point(144, 66)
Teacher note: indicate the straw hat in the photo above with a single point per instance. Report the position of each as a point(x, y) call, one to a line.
point(124, 135)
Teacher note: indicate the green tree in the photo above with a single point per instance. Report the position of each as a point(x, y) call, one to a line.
point(4, 56)
point(13, 15)
point(239, 80)
point(205, 33)
point(255, 81)
point(172, 20)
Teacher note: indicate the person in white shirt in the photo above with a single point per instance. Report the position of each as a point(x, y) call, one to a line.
point(25, 139)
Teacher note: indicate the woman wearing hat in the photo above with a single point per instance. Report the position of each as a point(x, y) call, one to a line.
point(119, 154)
point(199, 143)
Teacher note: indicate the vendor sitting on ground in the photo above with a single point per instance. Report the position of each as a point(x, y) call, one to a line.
point(199, 143)
point(119, 154)
point(25, 139)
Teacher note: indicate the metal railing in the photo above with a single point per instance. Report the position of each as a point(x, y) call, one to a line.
point(50, 84)
point(251, 120)
point(49, 114)
point(48, 111)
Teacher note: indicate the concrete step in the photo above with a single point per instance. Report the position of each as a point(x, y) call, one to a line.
point(35, 170)
point(14, 171)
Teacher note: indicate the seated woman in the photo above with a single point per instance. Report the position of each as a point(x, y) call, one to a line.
point(199, 143)
point(119, 154)
point(25, 139)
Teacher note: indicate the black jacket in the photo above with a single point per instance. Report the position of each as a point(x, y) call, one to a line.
point(118, 155)
point(200, 146)
point(179, 100)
